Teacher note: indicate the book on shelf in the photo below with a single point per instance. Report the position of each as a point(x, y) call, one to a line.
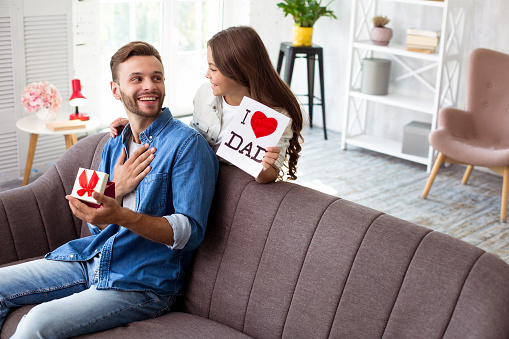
point(423, 32)
point(419, 49)
point(422, 40)
point(423, 47)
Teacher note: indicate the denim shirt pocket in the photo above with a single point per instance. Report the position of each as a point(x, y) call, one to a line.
point(153, 194)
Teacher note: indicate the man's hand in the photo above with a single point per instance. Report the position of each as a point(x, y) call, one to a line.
point(128, 174)
point(110, 211)
point(157, 229)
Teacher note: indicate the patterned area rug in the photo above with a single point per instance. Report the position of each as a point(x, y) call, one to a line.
point(469, 212)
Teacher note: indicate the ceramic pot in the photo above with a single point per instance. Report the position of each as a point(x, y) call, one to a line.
point(302, 36)
point(46, 114)
point(381, 35)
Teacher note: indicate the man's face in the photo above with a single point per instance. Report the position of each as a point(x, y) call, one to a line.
point(140, 85)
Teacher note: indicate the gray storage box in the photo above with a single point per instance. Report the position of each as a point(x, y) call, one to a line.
point(415, 138)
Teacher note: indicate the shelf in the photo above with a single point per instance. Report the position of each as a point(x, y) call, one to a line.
point(398, 100)
point(397, 50)
point(385, 146)
point(432, 77)
point(429, 3)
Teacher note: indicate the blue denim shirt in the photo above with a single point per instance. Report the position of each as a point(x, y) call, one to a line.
point(181, 181)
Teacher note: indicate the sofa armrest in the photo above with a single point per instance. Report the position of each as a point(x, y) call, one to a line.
point(36, 218)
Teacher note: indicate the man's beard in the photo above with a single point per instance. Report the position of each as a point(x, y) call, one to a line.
point(132, 104)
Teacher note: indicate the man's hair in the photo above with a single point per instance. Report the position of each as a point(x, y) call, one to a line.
point(127, 51)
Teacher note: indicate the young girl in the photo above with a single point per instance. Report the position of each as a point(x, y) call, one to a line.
point(238, 66)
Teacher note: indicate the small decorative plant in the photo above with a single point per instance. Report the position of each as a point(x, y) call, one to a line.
point(380, 21)
point(40, 95)
point(381, 35)
point(306, 12)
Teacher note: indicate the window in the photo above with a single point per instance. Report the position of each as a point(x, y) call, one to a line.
point(179, 29)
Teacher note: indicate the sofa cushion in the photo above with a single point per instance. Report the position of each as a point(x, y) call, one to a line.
point(13, 319)
point(172, 325)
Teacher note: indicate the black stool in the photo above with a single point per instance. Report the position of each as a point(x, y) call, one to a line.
point(311, 54)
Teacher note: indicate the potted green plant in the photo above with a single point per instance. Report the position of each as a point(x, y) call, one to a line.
point(305, 13)
point(380, 35)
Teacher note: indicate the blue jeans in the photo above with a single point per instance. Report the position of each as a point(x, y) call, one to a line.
point(69, 303)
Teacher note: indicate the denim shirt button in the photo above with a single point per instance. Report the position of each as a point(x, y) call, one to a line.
point(72, 255)
point(150, 137)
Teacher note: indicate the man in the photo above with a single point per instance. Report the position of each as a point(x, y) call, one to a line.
point(132, 266)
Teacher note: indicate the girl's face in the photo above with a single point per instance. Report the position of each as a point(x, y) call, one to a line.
point(221, 85)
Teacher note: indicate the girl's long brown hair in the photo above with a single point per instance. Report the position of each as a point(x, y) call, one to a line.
point(239, 54)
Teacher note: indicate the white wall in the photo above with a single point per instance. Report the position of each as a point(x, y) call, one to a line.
point(332, 35)
point(488, 26)
point(87, 53)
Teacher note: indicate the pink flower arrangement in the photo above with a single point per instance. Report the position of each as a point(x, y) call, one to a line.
point(39, 95)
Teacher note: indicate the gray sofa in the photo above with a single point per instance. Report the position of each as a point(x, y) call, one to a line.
point(285, 261)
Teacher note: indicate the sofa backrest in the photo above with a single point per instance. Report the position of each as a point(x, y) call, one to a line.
point(282, 260)
point(285, 261)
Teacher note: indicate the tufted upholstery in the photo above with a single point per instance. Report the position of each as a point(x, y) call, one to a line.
point(310, 265)
point(477, 136)
point(285, 261)
point(42, 203)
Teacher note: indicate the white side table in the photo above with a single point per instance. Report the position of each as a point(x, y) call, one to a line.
point(35, 127)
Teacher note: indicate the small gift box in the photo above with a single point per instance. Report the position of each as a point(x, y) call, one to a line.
point(88, 181)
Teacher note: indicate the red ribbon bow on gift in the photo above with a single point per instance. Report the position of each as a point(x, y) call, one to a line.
point(87, 187)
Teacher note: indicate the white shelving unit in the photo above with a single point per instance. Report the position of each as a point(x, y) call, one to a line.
point(435, 75)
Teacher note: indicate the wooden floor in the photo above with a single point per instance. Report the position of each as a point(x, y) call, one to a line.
point(394, 186)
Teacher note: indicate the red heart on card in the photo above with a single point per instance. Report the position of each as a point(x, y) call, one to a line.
point(261, 125)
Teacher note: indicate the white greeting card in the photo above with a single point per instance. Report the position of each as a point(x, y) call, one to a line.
point(254, 128)
point(88, 181)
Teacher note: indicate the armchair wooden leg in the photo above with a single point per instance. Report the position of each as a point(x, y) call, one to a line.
point(505, 192)
point(433, 174)
point(468, 171)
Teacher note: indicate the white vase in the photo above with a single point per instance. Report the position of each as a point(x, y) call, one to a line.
point(46, 114)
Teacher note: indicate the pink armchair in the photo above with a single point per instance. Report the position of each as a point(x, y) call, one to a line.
point(478, 135)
